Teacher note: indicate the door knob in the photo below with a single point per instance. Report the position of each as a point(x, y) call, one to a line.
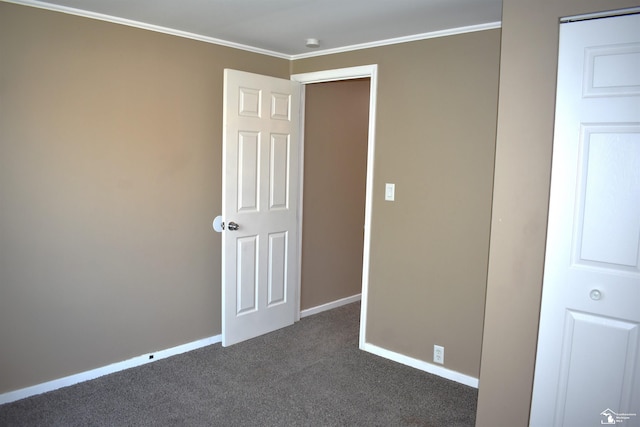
point(595, 294)
point(232, 226)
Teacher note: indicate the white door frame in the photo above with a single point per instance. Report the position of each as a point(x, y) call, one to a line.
point(365, 71)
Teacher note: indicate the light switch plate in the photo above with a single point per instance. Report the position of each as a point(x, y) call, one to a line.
point(390, 192)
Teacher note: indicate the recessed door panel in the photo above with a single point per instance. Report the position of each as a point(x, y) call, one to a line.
point(247, 277)
point(280, 106)
point(279, 172)
point(598, 362)
point(611, 70)
point(249, 103)
point(277, 268)
point(610, 197)
point(248, 171)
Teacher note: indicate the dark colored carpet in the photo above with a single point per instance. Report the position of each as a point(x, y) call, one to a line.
point(309, 374)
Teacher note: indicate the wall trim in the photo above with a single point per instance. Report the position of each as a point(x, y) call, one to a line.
point(22, 393)
point(207, 39)
point(143, 25)
point(399, 40)
point(330, 305)
point(422, 365)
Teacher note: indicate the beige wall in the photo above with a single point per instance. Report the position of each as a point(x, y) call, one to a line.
point(110, 144)
point(435, 136)
point(335, 168)
point(110, 175)
point(521, 193)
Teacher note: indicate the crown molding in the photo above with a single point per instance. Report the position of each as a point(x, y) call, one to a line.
point(185, 34)
point(145, 26)
point(405, 39)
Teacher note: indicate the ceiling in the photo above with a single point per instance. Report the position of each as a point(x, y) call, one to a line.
point(280, 27)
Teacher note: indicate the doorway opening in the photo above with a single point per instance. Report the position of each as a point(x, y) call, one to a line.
point(369, 73)
point(335, 135)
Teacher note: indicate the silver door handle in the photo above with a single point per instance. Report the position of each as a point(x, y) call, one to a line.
point(232, 226)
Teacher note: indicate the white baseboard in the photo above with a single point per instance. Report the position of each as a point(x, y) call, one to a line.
point(330, 305)
point(12, 396)
point(422, 365)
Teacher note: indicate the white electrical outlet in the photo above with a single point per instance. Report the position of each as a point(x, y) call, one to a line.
point(438, 354)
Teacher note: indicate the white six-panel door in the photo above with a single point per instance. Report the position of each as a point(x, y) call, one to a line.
point(260, 196)
point(588, 359)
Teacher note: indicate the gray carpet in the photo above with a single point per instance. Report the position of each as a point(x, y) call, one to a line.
point(309, 374)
